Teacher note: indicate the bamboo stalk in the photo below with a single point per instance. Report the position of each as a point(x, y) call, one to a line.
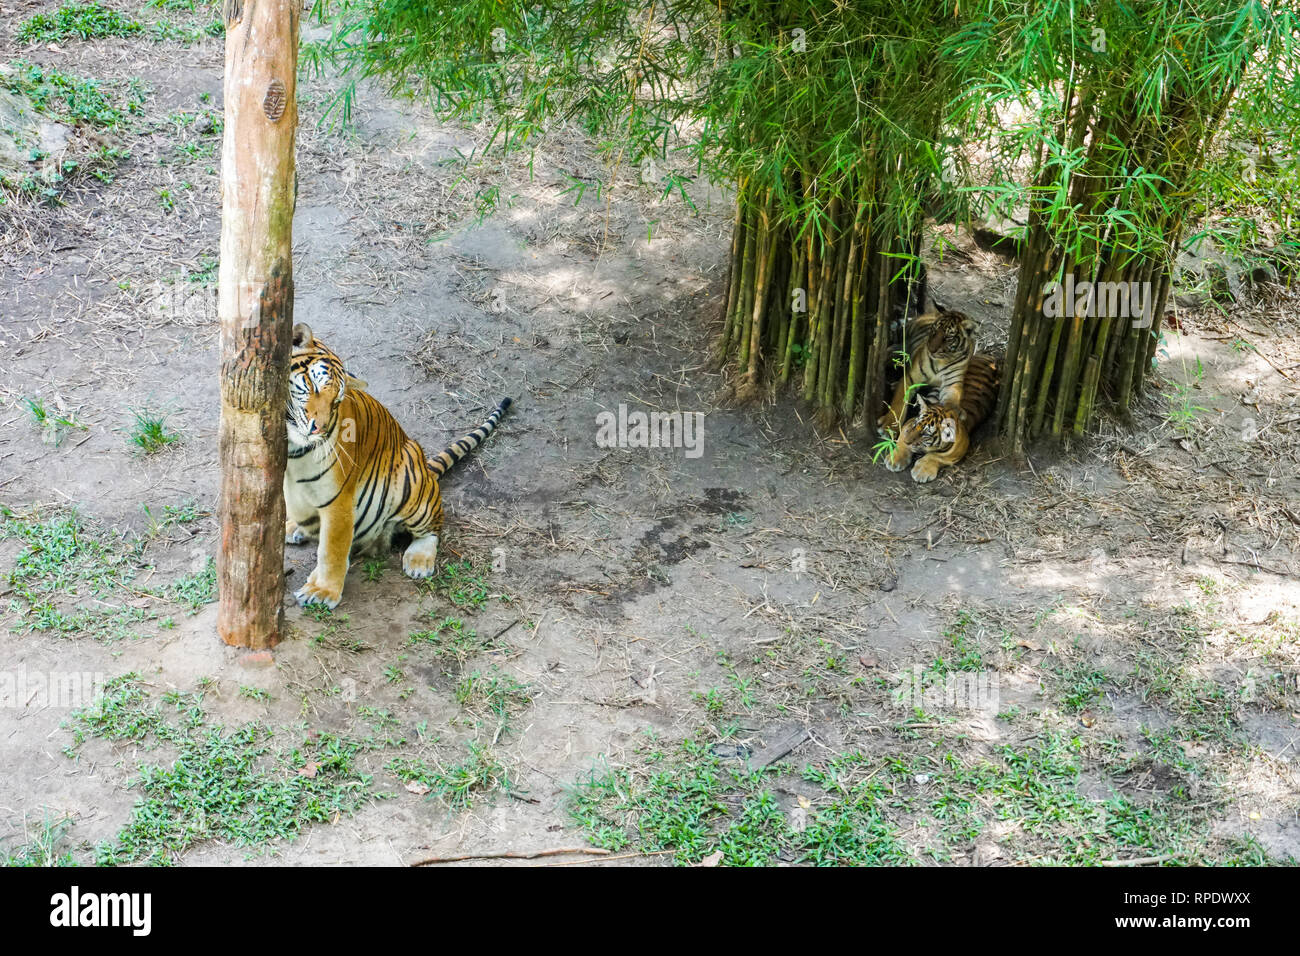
point(847, 250)
point(745, 314)
point(826, 301)
point(733, 276)
point(814, 297)
point(750, 386)
point(796, 322)
point(857, 356)
point(873, 386)
point(1084, 414)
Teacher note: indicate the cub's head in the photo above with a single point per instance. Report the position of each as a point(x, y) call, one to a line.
point(953, 333)
point(933, 429)
point(317, 383)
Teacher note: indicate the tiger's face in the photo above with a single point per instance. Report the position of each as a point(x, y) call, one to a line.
point(933, 428)
point(953, 333)
point(317, 383)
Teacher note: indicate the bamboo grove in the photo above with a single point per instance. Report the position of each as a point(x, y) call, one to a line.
point(826, 264)
point(844, 127)
point(1122, 107)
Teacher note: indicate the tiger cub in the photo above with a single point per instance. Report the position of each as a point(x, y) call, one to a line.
point(942, 343)
point(353, 478)
point(941, 431)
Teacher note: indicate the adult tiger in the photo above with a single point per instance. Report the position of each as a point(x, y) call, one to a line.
point(942, 343)
point(353, 478)
point(942, 432)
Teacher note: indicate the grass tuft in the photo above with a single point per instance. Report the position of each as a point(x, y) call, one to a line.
point(80, 21)
point(149, 432)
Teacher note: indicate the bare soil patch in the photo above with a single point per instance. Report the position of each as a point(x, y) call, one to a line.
point(667, 657)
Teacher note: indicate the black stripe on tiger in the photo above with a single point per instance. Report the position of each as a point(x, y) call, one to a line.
point(979, 389)
point(443, 462)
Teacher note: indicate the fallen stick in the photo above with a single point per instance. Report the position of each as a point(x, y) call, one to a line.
point(513, 855)
point(1139, 860)
point(784, 744)
point(610, 859)
point(1280, 572)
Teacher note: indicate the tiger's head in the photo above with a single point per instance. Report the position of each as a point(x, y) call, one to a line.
point(952, 333)
point(317, 383)
point(934, 427)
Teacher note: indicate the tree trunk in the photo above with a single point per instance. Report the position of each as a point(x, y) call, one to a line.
point(256, 308)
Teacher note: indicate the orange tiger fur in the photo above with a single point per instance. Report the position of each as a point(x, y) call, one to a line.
point(354, 478)
point(941, 344)
point(942, 432)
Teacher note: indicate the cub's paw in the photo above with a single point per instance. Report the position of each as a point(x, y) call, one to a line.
point(293, 534)
point(313, 593)
point(924, 471)
point(885, 426)
point(421, 557)
point(897, 462)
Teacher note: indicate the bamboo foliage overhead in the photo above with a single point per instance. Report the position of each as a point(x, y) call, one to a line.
point(1119, 106)
point(841, 126)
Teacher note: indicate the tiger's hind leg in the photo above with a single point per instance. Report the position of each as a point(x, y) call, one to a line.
point(421, 556)
point(301, 533)
point(424, 522)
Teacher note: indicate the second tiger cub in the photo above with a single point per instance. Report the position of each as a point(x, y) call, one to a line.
point(941, 344)
point(940, 432)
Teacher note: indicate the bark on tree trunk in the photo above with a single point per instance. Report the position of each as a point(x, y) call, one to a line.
point(256, 308)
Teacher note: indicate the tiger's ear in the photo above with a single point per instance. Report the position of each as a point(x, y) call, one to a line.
point(969, 325)
point(948, 431)
point(920, 323)
point(353, 381)
point(302, 337)
point(922, 406)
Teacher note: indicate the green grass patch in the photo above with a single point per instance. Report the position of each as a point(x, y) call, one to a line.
point(62, 555)
point(76, 99)
point(461, 583)
point(77, 21)
point(172, 516)
point(53, 424)
point(451, 640)
point(966, 654)
point(149, 432)
point(693, 804)
point(232, 785)
point(72, 578)
point(458, 784)
point(42, 847)
point(1036, 804)
point(197, 589)
point(494, 697)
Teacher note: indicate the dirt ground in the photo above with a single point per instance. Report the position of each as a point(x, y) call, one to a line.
point(1134, 597)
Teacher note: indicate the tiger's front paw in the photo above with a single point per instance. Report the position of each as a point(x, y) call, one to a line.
point(898, 459)
point(925, 470)
point(293, 534)
point(315, 593)
point(421, 557)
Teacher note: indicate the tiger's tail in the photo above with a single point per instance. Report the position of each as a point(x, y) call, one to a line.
point(441, 463)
